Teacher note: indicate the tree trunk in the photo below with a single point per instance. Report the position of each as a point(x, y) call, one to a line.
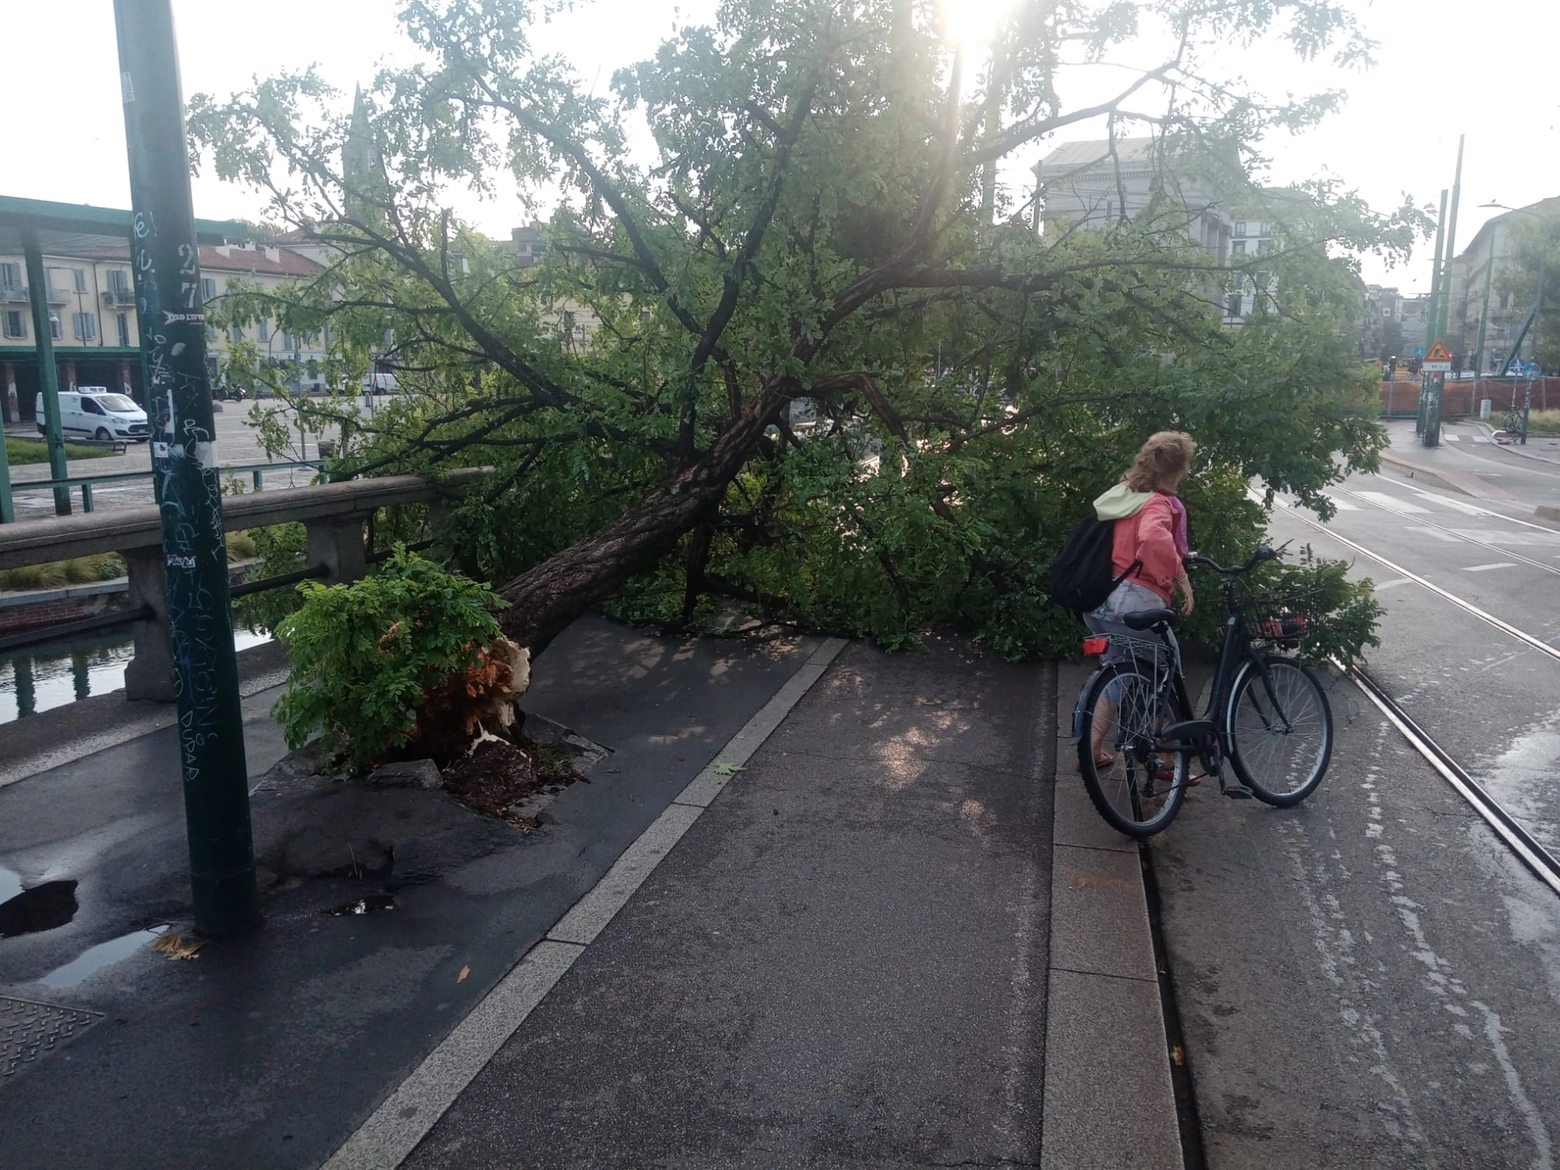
point(544, 600)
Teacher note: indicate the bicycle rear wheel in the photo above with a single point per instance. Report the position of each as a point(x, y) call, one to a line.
point(1280, 740)
point(1124, 709)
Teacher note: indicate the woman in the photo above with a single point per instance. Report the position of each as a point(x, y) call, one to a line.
point(1150, 542)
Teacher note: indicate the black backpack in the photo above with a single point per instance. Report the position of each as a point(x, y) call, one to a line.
point(1081, 579)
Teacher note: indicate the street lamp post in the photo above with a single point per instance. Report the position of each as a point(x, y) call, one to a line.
point(184, 462)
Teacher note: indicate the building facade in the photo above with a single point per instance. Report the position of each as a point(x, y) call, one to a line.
point(1081, 185)
point(1478, 299)
point(92, 320)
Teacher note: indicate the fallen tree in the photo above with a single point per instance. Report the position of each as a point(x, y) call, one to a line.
point(821, 231)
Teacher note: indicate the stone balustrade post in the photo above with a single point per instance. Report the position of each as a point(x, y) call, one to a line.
point(149, 675)
point(338, 545)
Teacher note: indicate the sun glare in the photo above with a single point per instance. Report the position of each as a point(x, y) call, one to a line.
point(971, 24)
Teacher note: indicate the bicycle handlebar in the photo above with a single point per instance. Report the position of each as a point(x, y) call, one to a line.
point(1198, 561)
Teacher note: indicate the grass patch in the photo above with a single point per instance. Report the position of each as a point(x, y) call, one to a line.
point(58, 574)
point(20, 451)
point(1544, 422)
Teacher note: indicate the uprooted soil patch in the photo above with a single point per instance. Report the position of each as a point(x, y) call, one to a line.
point(501, 774)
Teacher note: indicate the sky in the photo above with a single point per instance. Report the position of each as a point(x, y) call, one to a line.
point(1445, 67)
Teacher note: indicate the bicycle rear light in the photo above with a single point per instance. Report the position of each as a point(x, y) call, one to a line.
point(1093, 646)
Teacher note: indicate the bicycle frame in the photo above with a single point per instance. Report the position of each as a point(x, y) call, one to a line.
point(1208, 736)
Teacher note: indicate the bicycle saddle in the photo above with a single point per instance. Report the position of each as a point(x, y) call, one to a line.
point(1143, 619)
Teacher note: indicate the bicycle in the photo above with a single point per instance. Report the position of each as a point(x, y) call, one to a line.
point(1512, 423)
point(1266, 714)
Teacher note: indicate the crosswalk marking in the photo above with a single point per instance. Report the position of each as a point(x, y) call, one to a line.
point(1487, 568)
point(1448, 502)
point(1343, 505)
point(1393, 502)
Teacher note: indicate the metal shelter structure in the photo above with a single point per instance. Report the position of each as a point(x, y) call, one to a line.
point(33, 228)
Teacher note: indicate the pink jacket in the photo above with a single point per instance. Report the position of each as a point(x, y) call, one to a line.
point(1156, 536)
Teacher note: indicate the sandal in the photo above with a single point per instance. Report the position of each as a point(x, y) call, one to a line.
point(1102, 759)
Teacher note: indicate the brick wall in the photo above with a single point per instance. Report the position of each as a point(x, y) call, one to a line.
point(14, 619)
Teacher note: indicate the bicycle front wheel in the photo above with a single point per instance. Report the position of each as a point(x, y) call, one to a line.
point(1281, 735)
point(1135, 787)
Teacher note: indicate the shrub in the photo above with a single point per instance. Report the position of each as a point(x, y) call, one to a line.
point(363, 656)
point(279, 549)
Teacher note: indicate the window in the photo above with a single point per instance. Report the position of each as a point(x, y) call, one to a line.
point(1232, 309)
point(235, 333)
point(1110, 210)
point(56, 331)
point(208, 288)
point(118, 281)
point(11, 275)
point(84, 325)
point(1238, 247)
point(1264, 247)
point(14, 325)
point(263, 329)
point(1240, 229)
point(78, 278)
point(122, 329)
point(90, 406)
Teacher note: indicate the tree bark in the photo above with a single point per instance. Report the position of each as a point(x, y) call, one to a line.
point(544, 600)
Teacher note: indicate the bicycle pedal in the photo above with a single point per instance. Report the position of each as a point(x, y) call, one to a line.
point(1238, 792)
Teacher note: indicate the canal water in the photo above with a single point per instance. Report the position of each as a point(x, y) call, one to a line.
point(71, 669)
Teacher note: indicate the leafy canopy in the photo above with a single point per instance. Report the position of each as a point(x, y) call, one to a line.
point(805, 356)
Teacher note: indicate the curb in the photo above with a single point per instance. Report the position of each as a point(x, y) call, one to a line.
point(1512, 447)
point(412, 1108)
point(1105, 1038)
point(1422, 473)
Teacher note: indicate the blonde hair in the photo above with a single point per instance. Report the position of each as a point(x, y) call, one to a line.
point(1161, 462)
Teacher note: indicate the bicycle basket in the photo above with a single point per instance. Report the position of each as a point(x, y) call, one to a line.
point(1279, 619)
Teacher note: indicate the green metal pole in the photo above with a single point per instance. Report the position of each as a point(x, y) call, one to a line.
point(173, 338)
point(7, 504)
point(48, 375)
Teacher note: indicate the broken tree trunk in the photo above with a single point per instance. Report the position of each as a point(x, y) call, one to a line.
point(543, 601)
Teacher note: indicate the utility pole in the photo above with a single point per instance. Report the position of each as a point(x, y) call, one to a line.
point(1431, 316)
point(184, 463)
point(1451, 248)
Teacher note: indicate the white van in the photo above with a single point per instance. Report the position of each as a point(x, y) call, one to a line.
point(97, 413)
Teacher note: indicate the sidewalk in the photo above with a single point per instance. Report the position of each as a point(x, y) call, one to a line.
point(820, 908)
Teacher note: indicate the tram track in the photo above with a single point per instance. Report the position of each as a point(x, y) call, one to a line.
point(1544, 864)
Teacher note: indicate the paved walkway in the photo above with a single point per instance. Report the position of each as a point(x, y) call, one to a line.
point(815, 911)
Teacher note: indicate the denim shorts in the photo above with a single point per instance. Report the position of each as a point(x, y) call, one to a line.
point(1128, 597)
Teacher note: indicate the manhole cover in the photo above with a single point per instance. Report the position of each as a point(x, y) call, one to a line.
point(30, 1031)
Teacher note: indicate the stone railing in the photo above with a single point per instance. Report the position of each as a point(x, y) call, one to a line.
point(334, 515)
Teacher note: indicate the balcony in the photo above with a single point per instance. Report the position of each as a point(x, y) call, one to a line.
point(118, 296)
point(13, 292)
point(59, 296)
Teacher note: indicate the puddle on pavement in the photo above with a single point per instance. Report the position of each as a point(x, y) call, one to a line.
point(44, 907)
point(1521, 778)
point(371, 904)
point(94, 959)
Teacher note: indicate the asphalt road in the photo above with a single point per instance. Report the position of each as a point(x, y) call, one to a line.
point(1371, 979)
point(237, 445)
